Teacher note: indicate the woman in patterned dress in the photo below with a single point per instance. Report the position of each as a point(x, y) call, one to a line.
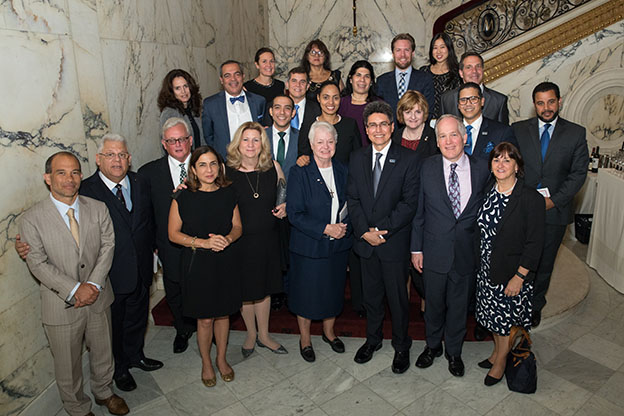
point(511, 227)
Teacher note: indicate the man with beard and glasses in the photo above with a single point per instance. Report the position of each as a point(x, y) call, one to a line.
point(555, 161)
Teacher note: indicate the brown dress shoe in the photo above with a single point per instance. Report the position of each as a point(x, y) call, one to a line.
point(115, 405)
point(90, 414)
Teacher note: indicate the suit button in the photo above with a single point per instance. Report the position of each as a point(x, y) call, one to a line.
point(82, 266)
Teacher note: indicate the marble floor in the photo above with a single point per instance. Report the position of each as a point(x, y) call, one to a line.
point(580, 372)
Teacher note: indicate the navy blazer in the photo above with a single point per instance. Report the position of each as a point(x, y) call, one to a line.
point(291, 153)
point(419, 81)
point(215, 119)
point(308, 205)
point(134, 232)
point(446, 242)
point(394, 205)
point(495, 107)
point(492, 133)
point(519, 237)
point(564, 169)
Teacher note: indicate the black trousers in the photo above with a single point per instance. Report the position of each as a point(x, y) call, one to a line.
point(173, 294)
point(386, 278)
point(355, 281)
point(447, 297)
point(553, 235)
point(129, 313)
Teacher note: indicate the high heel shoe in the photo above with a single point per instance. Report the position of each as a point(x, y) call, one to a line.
point(228, 377)
point(485, 364)
point(490, 381)
point(278, 350)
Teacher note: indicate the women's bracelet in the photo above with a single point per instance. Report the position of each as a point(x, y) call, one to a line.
point(520, 275)
point(193, 243)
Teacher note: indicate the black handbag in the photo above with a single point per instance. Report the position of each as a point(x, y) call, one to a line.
point(521, 369)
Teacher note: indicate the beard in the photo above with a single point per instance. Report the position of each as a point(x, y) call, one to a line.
point(548, 120)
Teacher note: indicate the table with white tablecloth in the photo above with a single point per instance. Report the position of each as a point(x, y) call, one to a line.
point(606, 244)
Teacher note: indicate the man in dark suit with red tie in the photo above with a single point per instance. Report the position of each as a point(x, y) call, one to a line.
point(443, 238)
point(555, 162)
point(382, 192)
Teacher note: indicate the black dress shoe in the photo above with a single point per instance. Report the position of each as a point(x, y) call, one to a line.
point(307, 353)
point(480, 332)
point(485, 364)
point(536, 319)
point(147, 364)
point(125, 382)
point(365, 353)
point(455, 366)
point(361, 313)
point(490, 381)
point(180, 343)
point(336, 344)
point(425, 359)
point(401, 362)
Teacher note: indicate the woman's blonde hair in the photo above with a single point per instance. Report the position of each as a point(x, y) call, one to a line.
point(265, 159)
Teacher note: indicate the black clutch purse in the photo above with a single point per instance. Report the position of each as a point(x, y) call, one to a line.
point(281, 192)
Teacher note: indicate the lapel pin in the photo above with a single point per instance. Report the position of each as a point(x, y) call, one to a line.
point(484, 133)
point(391, 160)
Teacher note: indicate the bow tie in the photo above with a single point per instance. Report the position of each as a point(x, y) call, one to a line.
point(240, 98)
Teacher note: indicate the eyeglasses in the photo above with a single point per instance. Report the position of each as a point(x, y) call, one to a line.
point(473, 100)
point(173, 141)
point(122, 155)
point(384, 125)
point(317, 53)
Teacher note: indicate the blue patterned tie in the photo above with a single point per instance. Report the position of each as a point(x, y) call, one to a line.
point(468, 145)
point(294, 123)
point(545, 139)
point(402, 86)
point(376, 173)
point(240, 98)
point(454, 191)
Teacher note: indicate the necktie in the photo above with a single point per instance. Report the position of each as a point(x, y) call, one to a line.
point(240, 98)
point(294, 123)
point(73, 226)
point(182, 172)
point(468, 145)
point(376, 173)
point(281, 147)
point(454, 191)
point(545, 139)
point(120, 195)
point(402, 84)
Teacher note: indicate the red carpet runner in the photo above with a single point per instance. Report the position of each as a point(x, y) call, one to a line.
point(348, 324)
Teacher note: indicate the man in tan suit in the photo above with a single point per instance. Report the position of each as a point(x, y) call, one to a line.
point(71, 242)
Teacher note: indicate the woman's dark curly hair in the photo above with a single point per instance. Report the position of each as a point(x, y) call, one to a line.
point(166, 97)
point(321, 47)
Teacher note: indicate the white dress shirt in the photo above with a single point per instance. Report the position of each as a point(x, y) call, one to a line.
point(276, 139)
point(397, 77)
point(237, 113)
point(476, 128)
point(174, 169)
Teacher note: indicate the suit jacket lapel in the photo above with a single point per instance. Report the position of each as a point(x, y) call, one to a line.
point(58, 222)
point(222, 108)
point(166, 174)
point(367, 169)
point(481, 138)
point(391, 160)
point(439, 177)
point(474, 177)
point(111, 199)
point(535, 140)
point(86, 221)
point(559, 131)
point(511, 204)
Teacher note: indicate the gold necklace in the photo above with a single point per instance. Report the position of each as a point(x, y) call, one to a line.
point(256, 195)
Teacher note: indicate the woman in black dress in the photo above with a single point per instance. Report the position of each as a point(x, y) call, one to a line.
point(319, 240)
point(443, 67)
point(265, 84)
point(349, 139)
point(511, 227)
point(316, 61)
point(204, 219)
point(180, 97)
point(255, 177)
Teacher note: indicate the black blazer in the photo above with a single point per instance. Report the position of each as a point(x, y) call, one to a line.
point(491, 133)
point(563, 171)
point(428, 145)
point(161, 190)
point(394, 205)
point(309, 210)
point(348, 140)
point(447, 242)
point(312, 111)
point(495, 107)
point(134, 232)
point(519, 236)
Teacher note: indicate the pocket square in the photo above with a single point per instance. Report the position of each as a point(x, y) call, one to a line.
point(488, 147)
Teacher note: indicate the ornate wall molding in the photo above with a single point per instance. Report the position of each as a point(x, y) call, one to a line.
point(554, 39)
point(492, 23)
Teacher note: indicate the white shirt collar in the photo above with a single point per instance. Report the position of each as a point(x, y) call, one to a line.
point(63, 207)
point(407, 70)
point(110, 184)
point(228, 96)
point(540, 123)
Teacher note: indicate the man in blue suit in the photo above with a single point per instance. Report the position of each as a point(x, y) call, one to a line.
point(392, 85)
point(482, 133)
point(382, 193)
point(283, 137)
point(228, 109)
point(443, 236)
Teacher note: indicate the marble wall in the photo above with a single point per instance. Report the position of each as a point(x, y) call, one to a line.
point(72, 71)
